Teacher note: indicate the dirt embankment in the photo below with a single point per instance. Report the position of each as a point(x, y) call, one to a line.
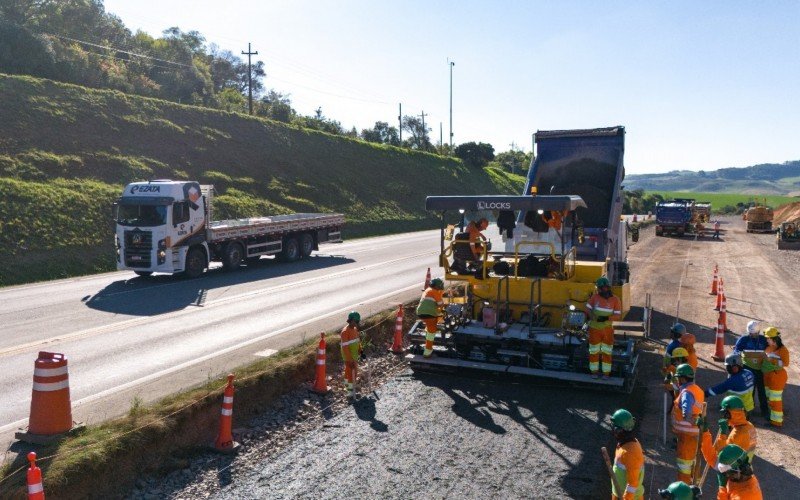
point(787, 213)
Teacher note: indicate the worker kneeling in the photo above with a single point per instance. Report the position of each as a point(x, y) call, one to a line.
point(602, 308)
point(628, 458)
point(685, 411)
point(351, 351)
point(429, 311)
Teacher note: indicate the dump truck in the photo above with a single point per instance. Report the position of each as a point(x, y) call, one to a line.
point(674, 217)
point(518, 308)
point(167, 226)
point(759, 219)
point(789, 236)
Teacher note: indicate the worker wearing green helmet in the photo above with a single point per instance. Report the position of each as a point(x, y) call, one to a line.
point(680, 491)
point(602, 308)
point(628, 458)
point(685, 411)
point(429, 311)
point(734, 465)
point(351, 351)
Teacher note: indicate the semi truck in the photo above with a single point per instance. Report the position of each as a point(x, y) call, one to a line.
point(518, 307)
point(674, 217)
point(759, 219)
point(167, 226)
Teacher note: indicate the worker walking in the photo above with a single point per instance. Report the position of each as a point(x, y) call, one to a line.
point(602, 308)
point(734, 465)
point(628, 458)
point(680, 491)
point(716, 230)
point(351, 351)
point(429, 311)
point(775, 376)
point(733, 429)
point(754, 342)
point(739, 383)
point(685, 411)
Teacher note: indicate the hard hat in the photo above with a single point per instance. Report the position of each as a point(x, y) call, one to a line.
point(678, 328)
point(684, 370)
point(437, 283)
point(732, 403)
point(733, 360)
point(771, 332)
point(680, 491)
point(354, 316)
point(623, 419)
point(680, 352)
point(752, 327)
point(732, 457)
point(602, 281)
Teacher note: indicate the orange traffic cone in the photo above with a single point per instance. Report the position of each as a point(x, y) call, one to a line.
point(723, 314)
point(321, 378)
point(715, 282)
point(224, 442)
point(719, 352)
point(397, 345)
point(719, 294)
point(51, 409)
point(35, 488)
point(427, 279)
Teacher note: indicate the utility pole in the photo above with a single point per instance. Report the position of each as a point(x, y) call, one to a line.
point(423, 128)
point(249, 77)
point(451, 64)
point(441, 138)
point(513, 157)
point(400, 123)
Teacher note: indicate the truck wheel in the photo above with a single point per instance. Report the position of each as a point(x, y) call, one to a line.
point(143, 274)
point(195, 263)
point(232, 257)
point(290, 251)
point(306, 245)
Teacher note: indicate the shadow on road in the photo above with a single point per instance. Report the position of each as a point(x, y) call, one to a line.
point(365, 410)
point(141, 296)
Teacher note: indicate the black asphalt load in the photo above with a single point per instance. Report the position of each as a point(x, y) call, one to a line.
point(448, 436)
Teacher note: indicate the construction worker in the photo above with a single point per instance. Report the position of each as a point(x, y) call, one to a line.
point(754, 342)
point(774, 367)
point(740, 382)
point(716, 230)
point(680, 338)
point(429, 311)
point(679, 356)
point(733, 464)
point(351, 351)
point(628, 457)
point(602, 308)
point(680, 491)
point(476, 237)
point(685, 410)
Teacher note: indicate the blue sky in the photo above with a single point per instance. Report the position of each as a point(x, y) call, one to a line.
point(698, 85)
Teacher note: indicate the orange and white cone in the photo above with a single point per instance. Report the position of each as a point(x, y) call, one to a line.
point(723, 314)
point(321, 377)
point(719, 294)
point(35, 487)
point(719, 354)
point(427, 280)
point(397, 345)
point(51, 409)
point(224, 442)
point(715, 282)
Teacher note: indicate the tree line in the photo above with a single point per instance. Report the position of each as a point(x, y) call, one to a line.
point(77, 41)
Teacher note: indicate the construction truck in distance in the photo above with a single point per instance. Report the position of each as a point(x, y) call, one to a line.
point(675, 217)
point(167, 226)
point(701, 212)
point(517, 307)
point(789, 236)
point(759, 219)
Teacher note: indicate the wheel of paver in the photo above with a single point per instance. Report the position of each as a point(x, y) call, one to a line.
point(144, 274)
point(290, 251)
point(306, 245)
point(195, 263)
point(232, 258)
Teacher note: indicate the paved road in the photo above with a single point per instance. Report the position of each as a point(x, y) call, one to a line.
point(127, 336)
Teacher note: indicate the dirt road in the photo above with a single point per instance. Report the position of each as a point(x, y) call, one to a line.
point(443, 436)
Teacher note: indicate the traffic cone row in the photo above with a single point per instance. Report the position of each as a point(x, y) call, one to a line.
point(397, 345)
point(224, 442)
point(321, 378)
point(715, 281)
point(35, 487)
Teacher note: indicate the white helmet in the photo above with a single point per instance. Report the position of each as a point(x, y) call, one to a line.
point(752, 327)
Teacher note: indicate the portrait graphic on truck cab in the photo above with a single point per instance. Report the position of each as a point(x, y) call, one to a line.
point(192, 193)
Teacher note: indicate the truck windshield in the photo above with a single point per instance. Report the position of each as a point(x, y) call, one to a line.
point(141, 215)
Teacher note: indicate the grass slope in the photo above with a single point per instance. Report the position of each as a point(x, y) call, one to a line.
point(719, 200)
point(66, 151)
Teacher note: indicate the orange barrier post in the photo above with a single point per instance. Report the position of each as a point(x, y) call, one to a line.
point(397, 345)
point(224, 442)
point(715, 282)
point(427, 280)
point(719, 354)
point(723, 314)
point(35, 488)
point(321, 377)
point(719, 294)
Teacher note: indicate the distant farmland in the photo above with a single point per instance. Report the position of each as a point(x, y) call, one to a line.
point(719, 200)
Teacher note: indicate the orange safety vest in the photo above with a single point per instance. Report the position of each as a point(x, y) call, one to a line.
point(678, 422)
point(687, 341)
point(351, 343)
point(598, 305)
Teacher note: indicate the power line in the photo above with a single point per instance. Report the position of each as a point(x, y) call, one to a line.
point(115, 49)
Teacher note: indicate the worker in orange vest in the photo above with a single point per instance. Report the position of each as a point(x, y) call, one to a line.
point(686, 409)
point(351, 351)
point(774, 366)
point(734, 465)
point(429, 311)
point(602, 308)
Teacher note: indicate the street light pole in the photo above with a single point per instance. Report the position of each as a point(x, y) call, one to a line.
point(451, 64)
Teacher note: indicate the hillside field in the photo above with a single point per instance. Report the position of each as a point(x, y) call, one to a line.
point(719, 200)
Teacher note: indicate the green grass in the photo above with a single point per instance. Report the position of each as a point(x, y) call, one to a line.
point(719, 200)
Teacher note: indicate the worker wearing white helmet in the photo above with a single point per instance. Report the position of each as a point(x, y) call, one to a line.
point(754, 342)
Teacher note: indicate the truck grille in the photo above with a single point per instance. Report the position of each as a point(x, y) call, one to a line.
point(138, 248)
